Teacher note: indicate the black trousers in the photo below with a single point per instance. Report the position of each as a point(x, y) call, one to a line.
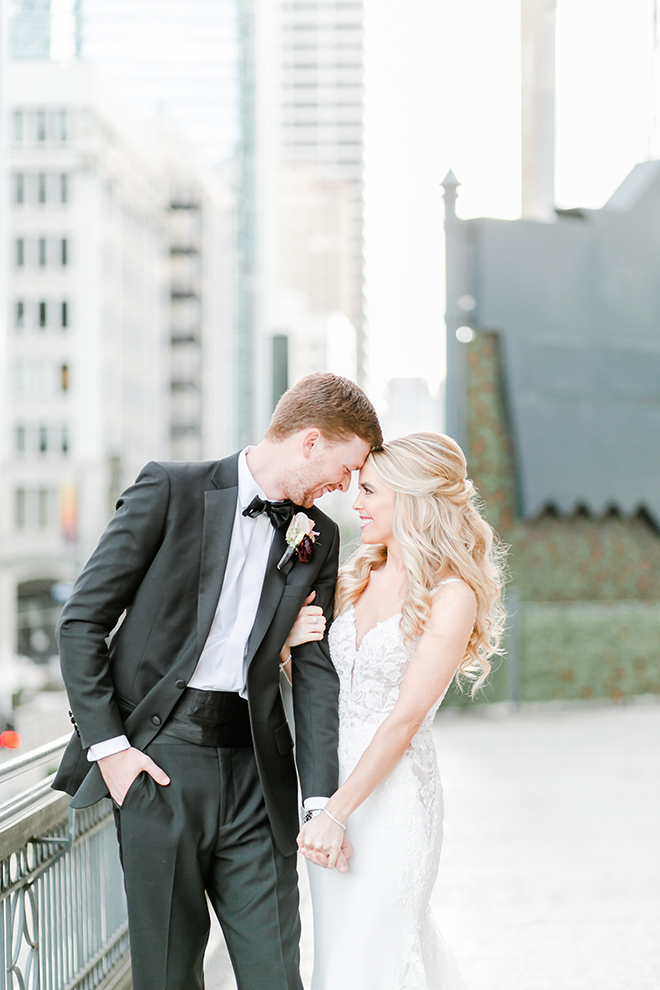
point(207, 831)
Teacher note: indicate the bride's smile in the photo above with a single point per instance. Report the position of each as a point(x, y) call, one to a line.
point(375, 505)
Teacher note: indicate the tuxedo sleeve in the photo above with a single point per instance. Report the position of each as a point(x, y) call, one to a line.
point(103, 591)
point(316, 694)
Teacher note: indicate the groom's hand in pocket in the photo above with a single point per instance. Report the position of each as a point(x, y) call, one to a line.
point(120, 770)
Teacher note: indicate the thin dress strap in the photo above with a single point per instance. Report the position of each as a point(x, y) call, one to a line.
point(446, 581)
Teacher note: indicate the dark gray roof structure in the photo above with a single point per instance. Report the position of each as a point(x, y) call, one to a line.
point(577, 304)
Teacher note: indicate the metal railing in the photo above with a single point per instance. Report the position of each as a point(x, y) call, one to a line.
point(62, 907)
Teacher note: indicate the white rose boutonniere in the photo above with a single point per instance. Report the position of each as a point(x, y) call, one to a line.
point(300, 537)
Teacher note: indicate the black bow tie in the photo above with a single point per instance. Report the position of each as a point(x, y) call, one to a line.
point(279, 513)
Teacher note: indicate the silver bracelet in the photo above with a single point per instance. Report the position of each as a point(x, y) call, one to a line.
point(335, 820)
point(283, 663)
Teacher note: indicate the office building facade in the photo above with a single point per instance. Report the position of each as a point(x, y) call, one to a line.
point(118, 270)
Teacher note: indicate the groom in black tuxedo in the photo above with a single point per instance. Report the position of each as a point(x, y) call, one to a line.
point(178, 708)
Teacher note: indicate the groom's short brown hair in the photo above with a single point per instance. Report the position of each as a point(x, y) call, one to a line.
point(335, 405)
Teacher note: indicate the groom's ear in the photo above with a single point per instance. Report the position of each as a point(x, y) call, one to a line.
point(309, 440)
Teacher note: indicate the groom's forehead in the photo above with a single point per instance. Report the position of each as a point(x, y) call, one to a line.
point(354, 453)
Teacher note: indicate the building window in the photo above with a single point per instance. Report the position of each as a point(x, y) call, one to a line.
point(18, 126)
point(20, 252)
point(64, 252)
point(65, 439)
point(64, 126)
point(34, 508)
point(42, 252)
point(41, 125)
point(43, 439)
point(19, 188)
point(20, 377)
point(43, 321)
point(20, 439)
point(64, 316)
point(39, 377)
point(64, 188)
point(41, 188)
point(42, 508)
point(19, 314)
point(19, 508)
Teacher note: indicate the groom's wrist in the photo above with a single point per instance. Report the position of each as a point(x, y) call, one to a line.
point(107, 748)
point(312, 806)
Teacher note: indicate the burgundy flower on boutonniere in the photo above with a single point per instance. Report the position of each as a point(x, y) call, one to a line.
point(305, 549)
point(300, 537)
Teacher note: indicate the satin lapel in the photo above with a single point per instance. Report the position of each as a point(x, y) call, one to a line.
point(219, 510)
point(274, 585)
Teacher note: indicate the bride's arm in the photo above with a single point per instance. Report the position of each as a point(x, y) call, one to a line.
point(439, 652)
point(309, 626)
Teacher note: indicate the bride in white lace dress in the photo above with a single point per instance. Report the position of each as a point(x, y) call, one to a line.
point(418, 604)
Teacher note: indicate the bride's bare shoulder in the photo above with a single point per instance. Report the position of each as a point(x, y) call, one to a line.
point(453, 593)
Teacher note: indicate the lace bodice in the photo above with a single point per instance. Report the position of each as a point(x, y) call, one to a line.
point(370, 678)
point(371, 674)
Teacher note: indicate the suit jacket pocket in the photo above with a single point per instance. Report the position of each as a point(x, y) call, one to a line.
point(125, 706)
point(283, 739)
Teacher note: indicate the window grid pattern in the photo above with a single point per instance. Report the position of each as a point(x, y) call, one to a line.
point(41, 188)
point(41, 126)
point(41, 314)
point(42, 252)
point(40, 377)
point(36, 508)
point(37, 439)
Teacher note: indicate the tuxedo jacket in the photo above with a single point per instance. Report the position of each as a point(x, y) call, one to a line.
point(159, 567)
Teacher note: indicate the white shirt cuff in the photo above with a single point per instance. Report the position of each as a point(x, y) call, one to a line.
point(314, 804)
point(107, 748)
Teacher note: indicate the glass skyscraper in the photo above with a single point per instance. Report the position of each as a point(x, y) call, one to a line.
point(178, 56)
point(30, 30)
point(321, 113)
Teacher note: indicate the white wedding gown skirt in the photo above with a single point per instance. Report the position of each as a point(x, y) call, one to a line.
point(373, 927)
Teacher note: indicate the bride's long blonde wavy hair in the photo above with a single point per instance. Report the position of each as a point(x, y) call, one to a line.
point(439, 528)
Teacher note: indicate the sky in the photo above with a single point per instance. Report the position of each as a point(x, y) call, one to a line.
point(443, 91)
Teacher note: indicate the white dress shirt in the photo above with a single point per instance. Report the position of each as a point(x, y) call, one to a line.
point(222, 666)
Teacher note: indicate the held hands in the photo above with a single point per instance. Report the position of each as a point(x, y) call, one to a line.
point(324, 843)
point(120, 770)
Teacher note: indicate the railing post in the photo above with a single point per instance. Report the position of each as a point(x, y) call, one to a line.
point(514, 649)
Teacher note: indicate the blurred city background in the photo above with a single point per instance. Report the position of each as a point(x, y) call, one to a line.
point(455, 204)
